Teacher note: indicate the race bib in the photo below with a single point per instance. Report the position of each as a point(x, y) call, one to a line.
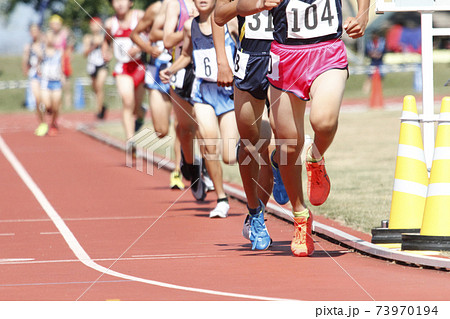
point(306, 21)
point(259, 26)
point(273, 71)
point(206, 63)
point(121, 47)
point(177, 79)
point(240, 64)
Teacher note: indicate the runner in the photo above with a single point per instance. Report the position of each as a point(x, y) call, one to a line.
point(65, 41)
point(176, 14)
point(250, 96)
point(308, 59)
point(129, 70)
point(214, 109)
point(32, 54)
point(159, 101)
point(51, 70)
point(96, 66)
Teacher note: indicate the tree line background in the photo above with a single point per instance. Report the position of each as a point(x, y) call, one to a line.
point(72, 11)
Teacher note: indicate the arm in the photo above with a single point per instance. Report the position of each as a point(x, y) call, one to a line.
point(157, 31)
point(356, 26)
point(225, 11)
point(224, 72)
point(249, 7)
point(136, 49)
point(87, 45)
point(70, 42)
point(25, 58)
point(145, 23)
point(171, 37)
point(106, 45)
point(184, 59)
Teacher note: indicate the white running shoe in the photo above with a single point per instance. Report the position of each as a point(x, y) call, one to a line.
point(221, 210)
point(208, 183)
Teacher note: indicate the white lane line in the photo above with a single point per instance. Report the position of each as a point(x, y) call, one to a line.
point(60, 283)
point(15, 260)
point(78, 219)
point(55, 261)
point(50, 233)
point(7, 234)
point(168, 255)
point(78, 250)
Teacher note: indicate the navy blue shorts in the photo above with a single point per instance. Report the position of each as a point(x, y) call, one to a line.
point(255, 80)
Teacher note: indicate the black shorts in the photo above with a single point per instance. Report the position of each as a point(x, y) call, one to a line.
point(95, 70)
point(255, 80)
point(186, 89)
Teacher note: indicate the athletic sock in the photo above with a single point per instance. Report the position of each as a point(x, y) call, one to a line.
point(273, 159)
point(311, 159)
point(303, 213)
point(225, 199)
point(254, 211)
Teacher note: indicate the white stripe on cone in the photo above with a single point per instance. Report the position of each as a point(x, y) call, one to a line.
point(409, 187)
point(411, 152)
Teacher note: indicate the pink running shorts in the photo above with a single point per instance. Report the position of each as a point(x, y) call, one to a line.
point(295, 67)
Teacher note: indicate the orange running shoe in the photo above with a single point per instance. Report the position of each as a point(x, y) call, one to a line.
point(302, 244)
point(318, 182)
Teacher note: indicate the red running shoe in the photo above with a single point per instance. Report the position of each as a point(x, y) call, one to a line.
point(53, 130)
point(318, 182)
point(302, 244)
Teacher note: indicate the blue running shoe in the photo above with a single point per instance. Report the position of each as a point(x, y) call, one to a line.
point(259, 236)
point(279, 192)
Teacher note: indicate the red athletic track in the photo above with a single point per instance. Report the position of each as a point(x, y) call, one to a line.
point(110, 209)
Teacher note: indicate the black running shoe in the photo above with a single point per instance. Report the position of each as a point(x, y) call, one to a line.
point(101, 114)
point(185, 167)
point(138, 124)
point(198, 187)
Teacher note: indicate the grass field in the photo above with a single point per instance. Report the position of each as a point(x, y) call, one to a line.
point(360, 162)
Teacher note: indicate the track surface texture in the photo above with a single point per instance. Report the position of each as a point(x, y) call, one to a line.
point(78, 224)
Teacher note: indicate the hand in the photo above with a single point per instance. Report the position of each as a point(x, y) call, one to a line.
point(165, 75)
point(133, 51)
point(270, 4)
point(355, 27)
point(154, 52)
point(224, 75)
point(107, 56)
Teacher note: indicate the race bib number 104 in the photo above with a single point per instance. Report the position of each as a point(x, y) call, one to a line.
point(306, 21)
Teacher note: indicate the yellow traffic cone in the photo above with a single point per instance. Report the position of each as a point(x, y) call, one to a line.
point(435, 230)
point(411, 181)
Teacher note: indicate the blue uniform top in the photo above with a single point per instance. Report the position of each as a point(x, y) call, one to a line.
point(256, 32)
point(204, 53)
point(298, 22)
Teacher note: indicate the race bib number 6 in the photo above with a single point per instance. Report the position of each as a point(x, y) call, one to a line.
point(206, 63)
point(306, 21)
